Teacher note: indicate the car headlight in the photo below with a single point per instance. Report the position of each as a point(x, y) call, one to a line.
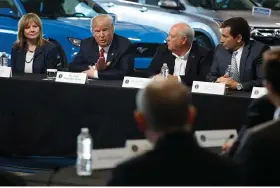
point(75, 42)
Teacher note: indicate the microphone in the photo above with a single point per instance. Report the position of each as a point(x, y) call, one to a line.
point(230, 137)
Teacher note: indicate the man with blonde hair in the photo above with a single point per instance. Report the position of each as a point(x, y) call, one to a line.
point(187, 61)
point(106, 55)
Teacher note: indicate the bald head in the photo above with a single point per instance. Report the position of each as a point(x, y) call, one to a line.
point(184, 30)
point(164, 104)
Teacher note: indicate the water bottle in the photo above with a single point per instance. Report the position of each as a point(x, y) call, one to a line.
point(4, 59)
point(84, 149)
point(164, 71)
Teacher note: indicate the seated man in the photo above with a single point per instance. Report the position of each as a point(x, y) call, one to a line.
point(165, 114)
point(244, 56)
point(106, 55)
point(258, 151)
point(185, 58)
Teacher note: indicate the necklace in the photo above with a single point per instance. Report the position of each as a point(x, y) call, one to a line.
point(29, 56)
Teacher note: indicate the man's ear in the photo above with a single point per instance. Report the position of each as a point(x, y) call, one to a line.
point(191, 115)
point(140, 119)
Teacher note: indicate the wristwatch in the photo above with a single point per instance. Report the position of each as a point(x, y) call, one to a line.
point(239, 86)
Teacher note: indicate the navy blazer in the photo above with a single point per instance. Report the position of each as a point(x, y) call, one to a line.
point(198, 63)
point(45, 57)
point(120, 55)
point(251, 74)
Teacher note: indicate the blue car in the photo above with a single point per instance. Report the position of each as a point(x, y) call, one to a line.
point(67, 22)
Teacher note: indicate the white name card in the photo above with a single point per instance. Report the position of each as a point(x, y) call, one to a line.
point(208, 88)
point(215, 138)
point(261, 11)
point(108, 158)
point(258, 92)
point(70, 77)
point(5, 72)
point(134, 82)
point(137, 147)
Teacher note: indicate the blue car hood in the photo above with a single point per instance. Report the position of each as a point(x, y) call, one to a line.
point(136, 33)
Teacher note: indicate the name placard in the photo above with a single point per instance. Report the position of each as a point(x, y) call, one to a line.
point(134, 82)
point(71, 77)
point(208, 88)
point(137, 147)
point(215, 138)
point(108, 158)
point(5, 72)
point(258, 92)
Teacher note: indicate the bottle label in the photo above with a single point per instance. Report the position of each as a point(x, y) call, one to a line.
point(87, 149)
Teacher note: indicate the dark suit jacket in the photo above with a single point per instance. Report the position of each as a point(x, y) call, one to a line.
point(198, 63)
point(259, 154)
point(45, 57)
point(120, 55)
point(260, 110)
point(176, 160)
point(250, 64)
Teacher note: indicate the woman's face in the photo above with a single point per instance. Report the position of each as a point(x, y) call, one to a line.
point(31, 31)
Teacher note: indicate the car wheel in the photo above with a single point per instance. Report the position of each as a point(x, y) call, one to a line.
point(204, 41)
point(62, 56)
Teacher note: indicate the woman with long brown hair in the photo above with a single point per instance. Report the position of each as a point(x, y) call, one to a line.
point(31, 53)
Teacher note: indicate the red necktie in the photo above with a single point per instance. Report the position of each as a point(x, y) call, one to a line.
point(101, 53)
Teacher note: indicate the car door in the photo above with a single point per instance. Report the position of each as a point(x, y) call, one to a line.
point(9, 17)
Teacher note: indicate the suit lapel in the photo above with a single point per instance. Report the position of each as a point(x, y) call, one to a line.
point(243, 60)
point(21, 58)
point(191, 58)
point(111, 52)
point(38, 51)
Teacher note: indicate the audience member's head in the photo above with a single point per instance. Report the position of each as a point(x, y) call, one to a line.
point(163, 107)
point(180, 38)
point(235, 33)
point(272, 74)
point(103, 29)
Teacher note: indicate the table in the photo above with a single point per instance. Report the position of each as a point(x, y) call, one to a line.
point(68, 177)
point(43, 118)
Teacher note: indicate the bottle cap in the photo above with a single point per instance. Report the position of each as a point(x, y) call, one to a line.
point(84, 129)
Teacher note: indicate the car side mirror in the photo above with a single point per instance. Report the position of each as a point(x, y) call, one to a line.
point(170, 4)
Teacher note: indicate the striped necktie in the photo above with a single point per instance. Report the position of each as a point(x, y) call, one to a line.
point(234, 69)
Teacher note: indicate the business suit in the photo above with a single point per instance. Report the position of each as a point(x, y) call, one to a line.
point(259, 154)
point(260, 110)
point(176, 160)
point(45, 57)
point(250, 64)
point(120, 55)
point(198, 63)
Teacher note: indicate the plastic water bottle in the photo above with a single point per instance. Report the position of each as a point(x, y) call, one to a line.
point(84, 157)
point(164, 71)
point(4, 59)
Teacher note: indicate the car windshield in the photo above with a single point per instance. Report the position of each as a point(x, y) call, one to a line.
point(233, 4)
point(272, 4)
point(63, 8)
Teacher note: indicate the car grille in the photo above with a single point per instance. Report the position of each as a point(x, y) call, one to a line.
point(269, 36)
point(145, 49)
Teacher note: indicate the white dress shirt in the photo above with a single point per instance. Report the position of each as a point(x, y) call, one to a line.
point(28, 67)
point(238, 57)
point(277, 114)
point(181, 64)
point(106, 50)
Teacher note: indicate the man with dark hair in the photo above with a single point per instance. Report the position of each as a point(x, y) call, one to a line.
point(258, 151)
point(243, 55)
point(165, 114)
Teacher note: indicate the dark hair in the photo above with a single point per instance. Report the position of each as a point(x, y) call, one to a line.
point(238, 26)
point(272, 68)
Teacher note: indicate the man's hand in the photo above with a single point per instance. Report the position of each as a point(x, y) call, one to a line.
point(231, 83)
point(101, 64)
point(90, 72)
point(226, 147)
point(222, 79)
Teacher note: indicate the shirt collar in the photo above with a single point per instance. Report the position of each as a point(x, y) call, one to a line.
point(105, 48)
point(239, 51)
point(277, 113)
point(184, 57)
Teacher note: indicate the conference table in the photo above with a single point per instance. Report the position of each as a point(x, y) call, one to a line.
point(43, 118)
